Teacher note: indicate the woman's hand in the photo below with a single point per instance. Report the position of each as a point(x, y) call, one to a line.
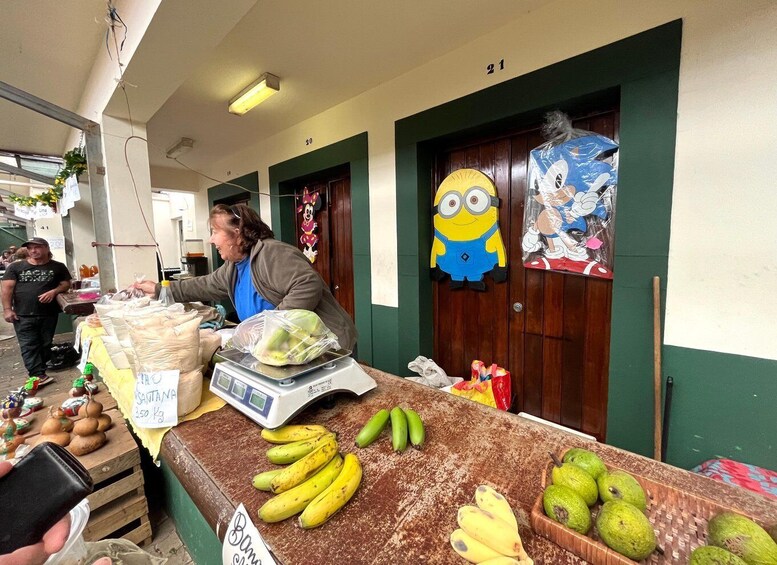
point(53, 540)
point(148, 287)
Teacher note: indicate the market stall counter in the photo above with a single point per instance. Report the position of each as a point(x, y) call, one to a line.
point(406, 506)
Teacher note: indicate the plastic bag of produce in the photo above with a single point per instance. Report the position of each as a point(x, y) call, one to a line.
point(489, 385)
point(289, 337)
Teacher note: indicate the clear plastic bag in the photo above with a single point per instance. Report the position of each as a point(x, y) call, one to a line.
point(569, 212)
point(287, 337)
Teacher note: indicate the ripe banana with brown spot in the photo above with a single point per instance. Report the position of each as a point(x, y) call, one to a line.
point(471, 549)
point(294, 501)
point(262, 480)
point(290, 452)
point(288, 434)
point(488, 499)
point(490, 530)
point(336, 495)
point(503, 560)
point(300, 471)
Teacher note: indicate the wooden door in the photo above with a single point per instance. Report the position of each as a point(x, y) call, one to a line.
point(334, 260)
point(557, 346)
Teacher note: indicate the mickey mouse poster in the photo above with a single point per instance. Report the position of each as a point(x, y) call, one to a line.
point(570, 206)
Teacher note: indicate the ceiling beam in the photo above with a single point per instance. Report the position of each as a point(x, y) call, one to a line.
point(26, 174)
point(44, 107)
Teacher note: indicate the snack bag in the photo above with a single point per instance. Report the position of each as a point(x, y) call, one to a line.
point(289, 337)
point(489, 385)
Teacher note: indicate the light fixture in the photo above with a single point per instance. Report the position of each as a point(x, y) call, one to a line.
point(255, 93)
point(182, 146)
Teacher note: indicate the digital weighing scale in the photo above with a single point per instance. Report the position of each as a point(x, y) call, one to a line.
point(271, 396)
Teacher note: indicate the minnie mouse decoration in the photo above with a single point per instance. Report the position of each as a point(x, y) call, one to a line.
point(311, 203)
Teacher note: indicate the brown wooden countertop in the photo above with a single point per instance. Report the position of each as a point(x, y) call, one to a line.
point(406, 507)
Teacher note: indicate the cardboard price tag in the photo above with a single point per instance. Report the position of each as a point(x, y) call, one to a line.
point(156, 399)
point(84, 355)
point(243, 544)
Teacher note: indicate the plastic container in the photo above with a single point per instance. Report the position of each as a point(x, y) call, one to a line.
point(75, 550)
point(193, 247)
point(166, 295)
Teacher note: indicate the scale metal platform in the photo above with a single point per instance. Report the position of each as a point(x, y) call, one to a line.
point(271, 396)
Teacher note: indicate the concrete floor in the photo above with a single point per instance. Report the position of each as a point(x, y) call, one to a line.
point(165, 542)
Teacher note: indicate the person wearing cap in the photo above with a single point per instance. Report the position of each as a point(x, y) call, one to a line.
point(29, 291)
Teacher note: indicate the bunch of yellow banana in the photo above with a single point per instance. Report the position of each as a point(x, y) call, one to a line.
point(488, 532)
point(318, 482)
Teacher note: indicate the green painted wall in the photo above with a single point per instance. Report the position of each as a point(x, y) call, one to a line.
point(643, 71)
point(12, 236)
point(722, 406)
point(201, 542)
point(354, 152)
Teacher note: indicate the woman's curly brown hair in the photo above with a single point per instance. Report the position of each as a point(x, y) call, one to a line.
point(250, 226)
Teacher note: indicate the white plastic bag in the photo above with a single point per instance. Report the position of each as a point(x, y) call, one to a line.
point(288, 337)
point(431, 373)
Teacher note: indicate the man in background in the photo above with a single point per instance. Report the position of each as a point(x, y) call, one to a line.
point(29, 291)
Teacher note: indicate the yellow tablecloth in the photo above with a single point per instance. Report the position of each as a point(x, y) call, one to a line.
point(121, 385)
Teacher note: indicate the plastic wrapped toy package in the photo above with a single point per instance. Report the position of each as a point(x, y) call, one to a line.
point(569, 216)
point(284, 337)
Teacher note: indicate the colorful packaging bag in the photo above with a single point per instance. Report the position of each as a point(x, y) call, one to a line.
point(489, 385)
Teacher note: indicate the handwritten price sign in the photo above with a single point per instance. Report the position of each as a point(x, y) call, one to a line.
point(243, 545)
point(156, 399)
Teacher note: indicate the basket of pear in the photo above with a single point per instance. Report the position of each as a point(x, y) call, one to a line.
point(606, 515)
point(317, 480)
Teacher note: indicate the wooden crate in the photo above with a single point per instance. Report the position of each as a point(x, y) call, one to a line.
point(118, 504)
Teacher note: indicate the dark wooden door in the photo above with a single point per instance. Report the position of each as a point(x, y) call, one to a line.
point(334, 260)
point(557, 346)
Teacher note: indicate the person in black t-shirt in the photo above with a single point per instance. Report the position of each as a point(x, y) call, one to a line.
point(29, 291)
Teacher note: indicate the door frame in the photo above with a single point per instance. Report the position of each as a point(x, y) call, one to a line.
point(644, 70)
point(353, 152)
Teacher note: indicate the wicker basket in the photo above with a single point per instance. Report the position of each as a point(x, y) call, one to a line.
point(678, 518)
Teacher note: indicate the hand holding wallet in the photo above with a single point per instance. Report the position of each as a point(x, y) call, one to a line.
point(38, 492)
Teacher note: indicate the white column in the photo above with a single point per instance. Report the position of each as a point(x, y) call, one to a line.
point(129, 200)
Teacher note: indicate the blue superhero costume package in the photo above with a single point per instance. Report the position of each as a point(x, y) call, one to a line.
point(570, 202)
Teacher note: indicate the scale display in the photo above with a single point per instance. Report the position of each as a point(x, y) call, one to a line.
point(271, 396)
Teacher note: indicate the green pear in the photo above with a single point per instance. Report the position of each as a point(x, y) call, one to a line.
point(588, 461)
point(573, 477)
point(619, 485)
point(565, 506)
point(711, 555)
point(742, 537)
point(624, 528)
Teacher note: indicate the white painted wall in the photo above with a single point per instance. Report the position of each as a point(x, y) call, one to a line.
point(726, 123)
point(169, 208)
point(129, 194)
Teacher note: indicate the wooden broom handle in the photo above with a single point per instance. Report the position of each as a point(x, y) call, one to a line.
point(656, 368)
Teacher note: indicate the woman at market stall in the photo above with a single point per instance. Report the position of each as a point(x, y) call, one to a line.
point(260, 273)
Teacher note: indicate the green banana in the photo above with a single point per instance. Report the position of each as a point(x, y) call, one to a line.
point(373, 428)
point(262, 480)
point(335, 496)
point(290, 452)
point(288, 434)
point(294, 501)
point(301, 470)
point(398, 429)
point(415, 428)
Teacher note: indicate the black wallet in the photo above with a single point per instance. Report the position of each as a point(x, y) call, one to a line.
point(41, 489)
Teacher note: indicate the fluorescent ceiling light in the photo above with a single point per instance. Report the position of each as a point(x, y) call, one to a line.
point(183, 145)
point(255, 93)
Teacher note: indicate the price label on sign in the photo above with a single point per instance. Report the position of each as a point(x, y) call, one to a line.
point(243, 544)
point(156, 399)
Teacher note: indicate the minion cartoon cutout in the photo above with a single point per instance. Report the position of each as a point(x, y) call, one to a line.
point(467, 241)
point(570, 205)
point(311, 203)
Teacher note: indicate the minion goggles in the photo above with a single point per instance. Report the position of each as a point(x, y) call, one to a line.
point(476, 201)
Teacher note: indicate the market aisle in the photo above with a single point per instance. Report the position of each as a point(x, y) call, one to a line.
point(165, 542)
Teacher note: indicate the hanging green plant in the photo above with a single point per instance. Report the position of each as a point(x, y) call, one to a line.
point(74, 163)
